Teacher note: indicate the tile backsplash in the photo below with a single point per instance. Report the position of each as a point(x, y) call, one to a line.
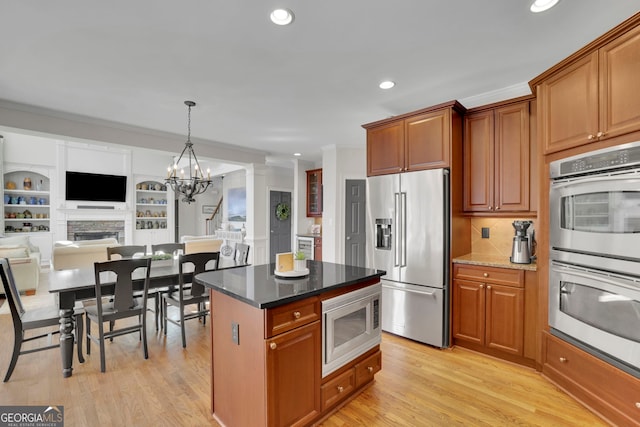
point(500, 239)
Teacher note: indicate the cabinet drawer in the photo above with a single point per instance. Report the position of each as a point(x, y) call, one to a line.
point(366, 369)
point(600, 385)
point(290, 316)
point(500, 276)
point(338, 388)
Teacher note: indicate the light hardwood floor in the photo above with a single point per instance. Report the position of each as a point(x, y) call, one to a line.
point(418, 386)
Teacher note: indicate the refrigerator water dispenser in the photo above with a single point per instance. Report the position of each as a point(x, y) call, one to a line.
point(383, 233)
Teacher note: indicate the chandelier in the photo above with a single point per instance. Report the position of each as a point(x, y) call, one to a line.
point(193, 182)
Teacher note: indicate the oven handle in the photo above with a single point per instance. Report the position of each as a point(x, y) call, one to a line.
point(411, 291)
point(562, 183)
point(601, 277)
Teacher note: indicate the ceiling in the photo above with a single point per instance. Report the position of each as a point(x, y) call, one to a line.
point(281, 89)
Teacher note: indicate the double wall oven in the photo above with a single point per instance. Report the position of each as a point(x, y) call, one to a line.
point(594, 237)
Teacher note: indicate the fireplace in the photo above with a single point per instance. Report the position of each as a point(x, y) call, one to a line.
point(92, 230)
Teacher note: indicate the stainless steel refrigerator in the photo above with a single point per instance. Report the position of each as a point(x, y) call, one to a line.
point(408, 237)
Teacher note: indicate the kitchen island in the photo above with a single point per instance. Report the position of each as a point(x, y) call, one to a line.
point(267, 344)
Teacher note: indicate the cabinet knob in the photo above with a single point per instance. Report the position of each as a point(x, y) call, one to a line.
point(273, 346)
point(590, 137)
point(340, 389)
point(600, 134)
point(485, 274)
point(481, 286)
point(488, 286)
point(563, 360)
point(296, 314)
point(370, 369)
point(638, 405)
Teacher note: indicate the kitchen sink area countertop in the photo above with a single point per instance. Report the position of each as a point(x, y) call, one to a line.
point(493, 260)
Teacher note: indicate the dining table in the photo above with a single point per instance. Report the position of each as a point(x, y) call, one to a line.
point(78, 284)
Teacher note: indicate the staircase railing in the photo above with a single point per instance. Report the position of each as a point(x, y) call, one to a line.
point(214, 222)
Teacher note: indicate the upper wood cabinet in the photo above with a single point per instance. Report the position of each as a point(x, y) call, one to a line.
point(592, 95)
point(496, 152)
point(314, 193)
point(413, 141)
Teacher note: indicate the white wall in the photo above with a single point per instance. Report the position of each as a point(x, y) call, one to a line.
point(338, 165)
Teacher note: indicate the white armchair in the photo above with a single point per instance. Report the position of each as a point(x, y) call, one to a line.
point(24, 259)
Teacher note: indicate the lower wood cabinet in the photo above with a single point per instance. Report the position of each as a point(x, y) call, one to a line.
point(612, 393)
point(489, 312)
point(338, 388)
point(293, 376)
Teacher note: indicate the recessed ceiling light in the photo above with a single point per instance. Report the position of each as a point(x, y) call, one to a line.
point(387, 84)
point(297, 154)
point(282, 17)
point(542, 5)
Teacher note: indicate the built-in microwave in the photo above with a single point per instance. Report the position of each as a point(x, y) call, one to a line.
point(351, 325)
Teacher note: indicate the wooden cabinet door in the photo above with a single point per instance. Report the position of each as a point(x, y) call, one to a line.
point(427, 139)
point(294, 359)
point(505, 318)
point(568, 106)
point(511, 191)
point(478, 162)
point(314, 193)
point(385, 149)
point(468, 311)
point(620, 85)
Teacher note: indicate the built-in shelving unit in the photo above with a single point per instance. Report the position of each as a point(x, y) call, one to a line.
point(27, 202)
point(152, 212)
point(26, 206)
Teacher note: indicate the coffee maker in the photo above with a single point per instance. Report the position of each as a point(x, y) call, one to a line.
point(521, 251)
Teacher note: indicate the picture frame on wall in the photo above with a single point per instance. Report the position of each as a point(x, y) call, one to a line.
point(237, 204)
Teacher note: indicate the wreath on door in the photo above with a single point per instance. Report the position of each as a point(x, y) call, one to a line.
point(283, 211)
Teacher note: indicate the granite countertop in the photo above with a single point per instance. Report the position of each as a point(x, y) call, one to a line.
point(493, 261)
point(258, 286)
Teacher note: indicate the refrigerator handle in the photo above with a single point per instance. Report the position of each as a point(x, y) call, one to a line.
point(397, 238)
point(403, 259)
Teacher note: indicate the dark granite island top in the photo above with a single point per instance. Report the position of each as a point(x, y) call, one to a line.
point(258, 286)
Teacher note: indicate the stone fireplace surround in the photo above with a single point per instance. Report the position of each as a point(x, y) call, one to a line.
point(95, 223)
point(92, 230)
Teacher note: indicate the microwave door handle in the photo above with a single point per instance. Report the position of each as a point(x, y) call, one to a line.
point(574, 181)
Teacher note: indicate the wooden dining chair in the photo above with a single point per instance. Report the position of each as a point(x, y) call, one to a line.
point(174, 249)
point(132, 251)
point(25, 320)
point(195, 295)
point(241, 253)
point(123, 305)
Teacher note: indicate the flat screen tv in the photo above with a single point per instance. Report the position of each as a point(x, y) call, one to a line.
point(93, 187)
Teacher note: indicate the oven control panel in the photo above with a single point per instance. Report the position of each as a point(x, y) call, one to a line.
point(621, 156)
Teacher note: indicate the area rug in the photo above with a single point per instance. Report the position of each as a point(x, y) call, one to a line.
point(42, 297)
